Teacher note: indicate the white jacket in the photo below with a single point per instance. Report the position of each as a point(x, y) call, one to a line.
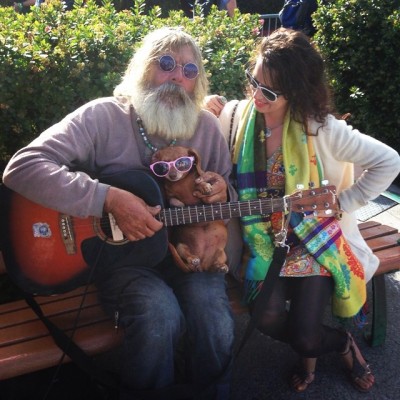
point(339, 147)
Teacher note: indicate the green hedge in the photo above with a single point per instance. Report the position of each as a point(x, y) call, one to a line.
point(53, 61)
point(360, 40)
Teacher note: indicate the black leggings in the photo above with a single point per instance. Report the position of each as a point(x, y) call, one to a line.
point(301, 326)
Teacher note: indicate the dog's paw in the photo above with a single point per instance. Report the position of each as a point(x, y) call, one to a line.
point(205, 188)
point(222, 268)
point(194, 263)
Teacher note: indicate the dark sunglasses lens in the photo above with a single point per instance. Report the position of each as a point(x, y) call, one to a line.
point(161, 168)
point(268, 94)
point(167, 63)
point(183, 164)
point(190, 70)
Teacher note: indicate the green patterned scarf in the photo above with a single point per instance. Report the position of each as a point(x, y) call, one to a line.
point(321, 236)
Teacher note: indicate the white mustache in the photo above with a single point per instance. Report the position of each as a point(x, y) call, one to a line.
point(172, 94)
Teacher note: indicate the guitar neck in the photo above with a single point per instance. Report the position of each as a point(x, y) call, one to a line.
point(218, 211)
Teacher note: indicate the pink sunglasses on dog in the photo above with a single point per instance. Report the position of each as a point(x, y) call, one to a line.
point(181, 164)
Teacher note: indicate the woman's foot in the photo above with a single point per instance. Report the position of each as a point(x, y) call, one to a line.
point(303, 375)
point(359, 372)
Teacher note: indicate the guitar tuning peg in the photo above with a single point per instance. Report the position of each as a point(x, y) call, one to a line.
point(299, 186)
point(311, 185)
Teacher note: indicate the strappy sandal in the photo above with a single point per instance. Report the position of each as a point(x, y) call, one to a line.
point(301, 380)
point(359, 371)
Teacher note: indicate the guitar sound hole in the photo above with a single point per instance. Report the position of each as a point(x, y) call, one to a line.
point(108, 232)
point(106, 227)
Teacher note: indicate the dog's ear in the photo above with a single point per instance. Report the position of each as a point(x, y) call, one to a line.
point(197, 160)
point(155, 157)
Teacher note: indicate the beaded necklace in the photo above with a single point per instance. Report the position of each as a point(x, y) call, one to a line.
point(146, 140)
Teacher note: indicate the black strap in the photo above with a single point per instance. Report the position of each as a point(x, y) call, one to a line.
point(232, 135)
point(278, 259)
point(82, 360)
point(71, 349)
point(104, 378)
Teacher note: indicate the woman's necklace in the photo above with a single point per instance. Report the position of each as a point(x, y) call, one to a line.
point(146, 140)
point(268, 130)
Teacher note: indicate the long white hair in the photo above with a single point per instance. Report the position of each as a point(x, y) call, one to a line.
point(135, 88)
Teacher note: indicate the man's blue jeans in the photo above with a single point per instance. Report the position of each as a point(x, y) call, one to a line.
point(158, 308)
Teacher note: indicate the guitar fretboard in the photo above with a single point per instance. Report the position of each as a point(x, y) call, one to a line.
point(212, 212)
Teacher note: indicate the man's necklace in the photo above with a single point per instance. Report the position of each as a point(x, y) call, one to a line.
point(145, 138)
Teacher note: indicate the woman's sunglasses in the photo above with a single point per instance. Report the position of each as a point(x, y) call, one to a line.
point(267, 93)
point(162, 168)
point(168, 64)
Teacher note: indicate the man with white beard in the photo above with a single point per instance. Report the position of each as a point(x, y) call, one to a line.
point(157, 104)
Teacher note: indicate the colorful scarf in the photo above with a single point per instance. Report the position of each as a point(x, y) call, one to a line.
point(321, 236)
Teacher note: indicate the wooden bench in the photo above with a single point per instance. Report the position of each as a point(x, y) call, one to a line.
point(26, 345)
point(384, 241)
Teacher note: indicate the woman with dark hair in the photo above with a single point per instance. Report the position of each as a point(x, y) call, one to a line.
point(287, 135)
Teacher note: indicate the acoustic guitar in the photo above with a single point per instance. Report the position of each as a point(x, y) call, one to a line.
point(49, 252)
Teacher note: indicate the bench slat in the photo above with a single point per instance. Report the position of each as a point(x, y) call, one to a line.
point(66, 321)
point(20, 304)
point(377, 231)
point(389, 260)
point(26, 314)
point(367, 225)
point(42, 353)
point(384, 242)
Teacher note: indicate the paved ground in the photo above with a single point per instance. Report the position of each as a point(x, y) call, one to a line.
point(264, 365)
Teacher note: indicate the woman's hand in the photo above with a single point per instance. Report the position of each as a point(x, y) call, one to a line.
point(214, 103)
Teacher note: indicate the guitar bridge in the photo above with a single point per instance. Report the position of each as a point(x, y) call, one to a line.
point(67, 233)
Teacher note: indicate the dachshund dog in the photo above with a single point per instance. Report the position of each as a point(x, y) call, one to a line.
point(199, 246)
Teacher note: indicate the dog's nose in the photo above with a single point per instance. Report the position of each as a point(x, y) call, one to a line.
point(174, 174)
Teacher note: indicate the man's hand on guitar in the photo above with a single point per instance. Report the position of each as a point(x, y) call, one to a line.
point(211, 188)
point(133, 216)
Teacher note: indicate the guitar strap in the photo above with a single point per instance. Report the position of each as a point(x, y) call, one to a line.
point(71, 349)
point(66, 343)
point(106, 378)
point(278, 259)
point(103, 377)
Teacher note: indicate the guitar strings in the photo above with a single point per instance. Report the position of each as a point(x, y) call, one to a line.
point(209, 212)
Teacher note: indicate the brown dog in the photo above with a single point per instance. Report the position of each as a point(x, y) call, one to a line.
point(199, 246)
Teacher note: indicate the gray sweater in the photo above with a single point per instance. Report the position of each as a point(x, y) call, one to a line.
point(60, 168)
